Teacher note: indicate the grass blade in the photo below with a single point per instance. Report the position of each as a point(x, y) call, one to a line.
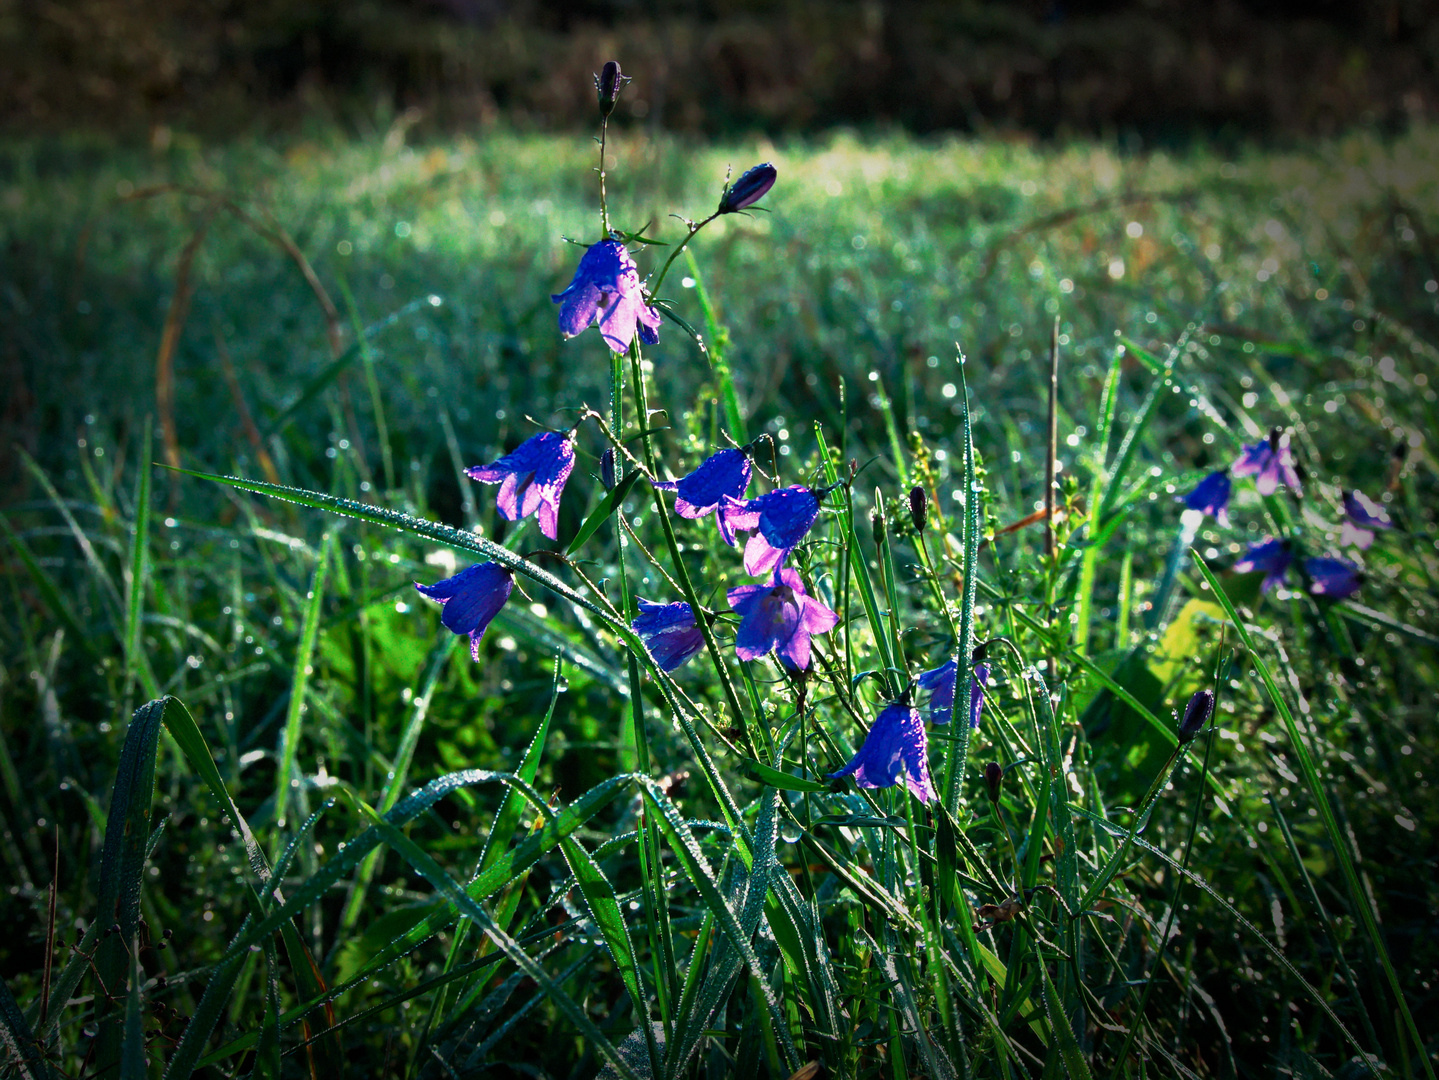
point(300, 680)
point(1358, 898)
point(22, 1049)
point(122, 866)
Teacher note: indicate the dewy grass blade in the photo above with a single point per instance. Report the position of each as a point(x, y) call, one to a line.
point(1262, 939)
point(137, 664)
point(21, 1046)
point(432, 872)
point(506, 820)
point(602, 513)
point(400, 768)
point(958, 756)
point(50, 592)
point(300, 680)
point(1089, 565)
point(609, 917)
point(122, 865)
point(132, 1053)
point(1358, 898)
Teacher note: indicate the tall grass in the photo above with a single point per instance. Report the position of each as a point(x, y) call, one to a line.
point(262, 816)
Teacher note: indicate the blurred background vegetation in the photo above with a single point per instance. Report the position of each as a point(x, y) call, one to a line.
point(1165, 69)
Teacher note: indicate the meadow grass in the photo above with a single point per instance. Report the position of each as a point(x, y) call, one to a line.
point(375, 856)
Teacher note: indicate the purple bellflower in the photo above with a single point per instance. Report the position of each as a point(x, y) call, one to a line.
point(605, 292)
point(531, 477)
point(721, 476)
point(976, 694)
point(781, 519)
point(895, 745)
point(471, 599)
point(669, 631)
point(940, 684)
point(1270, 462)
point(779, 618)
point(749, 189)
point(1334, 578)
point(1211, 496)
point(1271, 556)
point(1362, 515)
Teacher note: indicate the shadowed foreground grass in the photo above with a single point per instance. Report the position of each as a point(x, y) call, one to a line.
point(366, 318)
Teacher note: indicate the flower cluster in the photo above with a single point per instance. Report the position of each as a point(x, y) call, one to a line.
point(1270, 462)
point(776, 615)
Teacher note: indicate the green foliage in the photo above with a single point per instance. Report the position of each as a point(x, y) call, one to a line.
point(352, 849)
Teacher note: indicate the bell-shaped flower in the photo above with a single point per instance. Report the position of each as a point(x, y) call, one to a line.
point(782, 518)
point(895, 746)
point(471, 599)
point(1270, 462)
point(531, 477)
point(1211, 496)
point(605, 292)
point(1362, 516)
point(1334, 578)
point(721, 476)
point(976, 694)
point(1271, 556)
point(669, 631)
point(940, 684)
point(779, 618)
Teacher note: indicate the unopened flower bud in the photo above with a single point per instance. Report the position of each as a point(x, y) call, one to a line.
point(748, 189)
point(1196, 714)
point(607, 85)
point(876, 522)
point(918, 508)
point(993, 778)
point(607, 468)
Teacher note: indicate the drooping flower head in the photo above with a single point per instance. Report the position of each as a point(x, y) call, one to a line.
point(1334, 578)
point(940, 684)
point(779, 618)
point(781, 519)
point(531, 477)
point(721, 476)
point(1362, 516)
point(471, 599)
point(1270, 462)
point(669, 631)
point(605, 292)
point(1211, 496)
point(1196, 713)
point(895, 746)
point(976, 694)
point(749, 189)
point(1271, 556)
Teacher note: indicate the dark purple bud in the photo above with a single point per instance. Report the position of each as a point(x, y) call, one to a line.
point(993, 778)
point(607, 469)
point(1196, 714)
point(748, 189)
point(608, 84)
point(918, 508)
